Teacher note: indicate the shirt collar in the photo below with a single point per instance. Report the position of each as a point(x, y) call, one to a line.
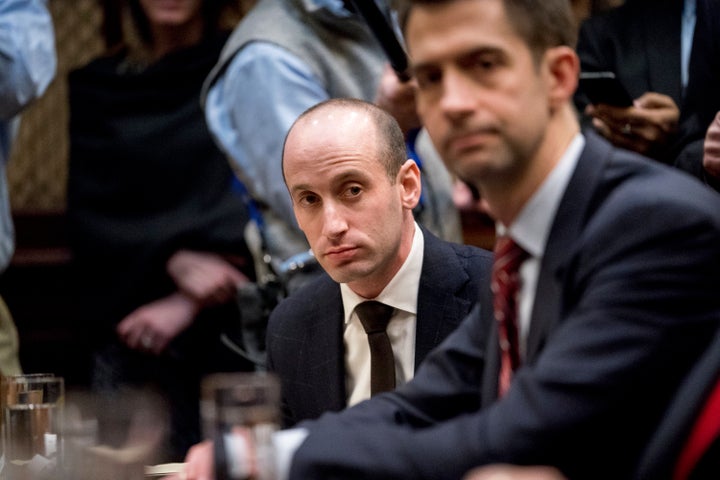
point(532, 226)
point(402, 291)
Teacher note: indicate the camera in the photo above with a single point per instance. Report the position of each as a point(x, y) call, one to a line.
point(256, 300)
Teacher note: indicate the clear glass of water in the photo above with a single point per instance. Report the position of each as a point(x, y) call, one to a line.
point(32, 410)
point(240, 412)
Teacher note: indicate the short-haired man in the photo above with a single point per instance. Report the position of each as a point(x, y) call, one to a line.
point(353, 192)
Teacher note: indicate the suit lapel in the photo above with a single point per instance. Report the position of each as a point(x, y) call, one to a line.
point(569, 220)
point(441, 278)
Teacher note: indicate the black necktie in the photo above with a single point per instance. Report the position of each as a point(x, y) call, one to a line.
point(374, 317)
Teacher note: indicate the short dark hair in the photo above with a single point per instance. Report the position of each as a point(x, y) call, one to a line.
point(542, 24)
point(392, 149)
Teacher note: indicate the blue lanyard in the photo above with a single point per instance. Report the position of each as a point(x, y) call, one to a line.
point(250, 203)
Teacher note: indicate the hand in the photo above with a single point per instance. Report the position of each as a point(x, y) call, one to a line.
point(205, 277)
point(151, 327)
point(645, 127)
point(711, 157)
point(198, 463)
point(398, 99)
point(511, 472)
point(240, 455)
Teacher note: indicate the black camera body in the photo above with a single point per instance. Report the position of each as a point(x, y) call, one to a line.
point(256, 300)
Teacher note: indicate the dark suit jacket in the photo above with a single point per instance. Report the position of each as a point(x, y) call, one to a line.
point(305, 332)
point(663, 451)
point(638, 41)
point(626, 302)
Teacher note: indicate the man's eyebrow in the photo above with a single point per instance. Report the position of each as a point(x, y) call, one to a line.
point(422, 66)
point(352, 173)
point(299, 187)
point(464, 56)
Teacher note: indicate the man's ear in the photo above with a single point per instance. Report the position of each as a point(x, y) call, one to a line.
point(563, 68)
point(409, 180)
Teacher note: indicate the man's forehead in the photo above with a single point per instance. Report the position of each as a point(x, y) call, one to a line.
point(474, 27)
point(358, 169)
point(334, 116)
point(338, 130)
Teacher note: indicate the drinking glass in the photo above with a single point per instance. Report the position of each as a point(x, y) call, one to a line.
point(240, 412)
point(32, 411)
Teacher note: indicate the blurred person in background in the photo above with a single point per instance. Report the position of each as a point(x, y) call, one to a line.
point(647, 45)
point(155, 226)
point(27, 66)
point(700, 127)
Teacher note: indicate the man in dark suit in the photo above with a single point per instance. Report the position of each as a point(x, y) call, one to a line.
point(641, 42)
point(618, 280)
point(313, 342)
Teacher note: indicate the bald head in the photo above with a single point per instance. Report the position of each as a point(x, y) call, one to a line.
point(345, 119)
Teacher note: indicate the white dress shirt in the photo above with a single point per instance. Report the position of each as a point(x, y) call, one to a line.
point(401, 293)
point(531, 228)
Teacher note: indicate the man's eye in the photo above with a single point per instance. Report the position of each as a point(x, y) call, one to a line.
point(485, 64)
point(352, 192)
point(308, 200)
point(482, 62)
point(426, 79)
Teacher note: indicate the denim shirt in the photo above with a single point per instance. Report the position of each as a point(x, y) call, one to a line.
point(27, 65)
point(276, 86)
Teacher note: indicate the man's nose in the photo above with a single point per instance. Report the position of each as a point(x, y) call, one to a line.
point(334, 222)
point(457, 96)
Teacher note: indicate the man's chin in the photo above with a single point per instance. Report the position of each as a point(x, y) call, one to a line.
point(462, 162)
point(347, 273)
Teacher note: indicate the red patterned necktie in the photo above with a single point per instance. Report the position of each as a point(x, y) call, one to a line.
point(505, 286)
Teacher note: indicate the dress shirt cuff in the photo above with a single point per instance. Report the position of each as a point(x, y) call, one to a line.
point(286, 442)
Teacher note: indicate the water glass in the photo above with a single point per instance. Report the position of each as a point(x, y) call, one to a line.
point(32, 410)
point(240, 413)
